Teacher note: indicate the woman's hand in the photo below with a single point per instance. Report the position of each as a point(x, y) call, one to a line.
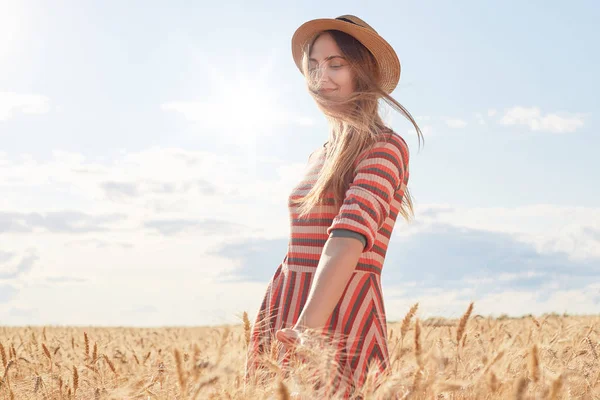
point(289, 337)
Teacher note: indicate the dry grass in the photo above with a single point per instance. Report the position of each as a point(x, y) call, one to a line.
point(549, 357)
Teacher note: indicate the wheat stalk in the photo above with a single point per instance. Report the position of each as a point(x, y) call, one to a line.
point(534, 363)
point(180, 371)
point(36, 386)
point(47, 354)
point(493, 382)
point(496, 358)
point(398, 350)
point(95, 353)
point(110, 364)
point(592, 348)
point(418, 341)
point(87, 346)
point(5, 376)
point(418, 357)
point(556, 387)
point(273, 350)
point(246, 328)
point(406, 321)
point(75, 380)
point(501, 361)
point(460, 330)
point(520, 388)
point(450, 386)
point(462, 324)
point(3, 355)
point(222, 345)
point(8, 365)
point(205, 382)
point(284, 393)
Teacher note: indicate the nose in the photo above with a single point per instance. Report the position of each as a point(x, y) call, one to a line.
point(322, 76)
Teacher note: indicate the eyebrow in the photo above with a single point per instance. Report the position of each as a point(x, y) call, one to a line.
point(328, 58)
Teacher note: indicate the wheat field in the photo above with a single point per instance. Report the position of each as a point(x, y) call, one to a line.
point(546, 357)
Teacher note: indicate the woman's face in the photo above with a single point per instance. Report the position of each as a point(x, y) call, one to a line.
point(331, 69)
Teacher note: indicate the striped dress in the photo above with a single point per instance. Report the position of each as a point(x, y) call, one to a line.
point(370, 208)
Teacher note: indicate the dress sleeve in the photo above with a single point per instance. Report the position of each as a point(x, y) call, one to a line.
point(349, 234)
point(378, 176)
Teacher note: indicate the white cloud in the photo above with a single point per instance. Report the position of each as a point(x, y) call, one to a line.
point(455, 123)
point(147, 298)
point(491, 112)
point(548, 228)
point(580, 301)
point(480, 119)
point(426, 130)
point(453, 303)
point(171, 182)
point(14, 267)
point(11, 103)
point(133, 265)
point(203, 192)
point(533, 118)
point(504, 277)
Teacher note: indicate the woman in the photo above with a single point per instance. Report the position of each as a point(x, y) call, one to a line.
point(343, 211)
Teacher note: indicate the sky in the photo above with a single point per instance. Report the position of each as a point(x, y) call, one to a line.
point(147, 150)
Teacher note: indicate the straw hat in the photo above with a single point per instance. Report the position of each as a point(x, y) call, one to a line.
point(384, 54)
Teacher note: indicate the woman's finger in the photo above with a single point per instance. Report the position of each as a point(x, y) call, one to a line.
point(287, 336)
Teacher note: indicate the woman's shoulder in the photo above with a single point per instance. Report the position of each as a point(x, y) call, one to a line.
point(388, 134)
point(388, 137)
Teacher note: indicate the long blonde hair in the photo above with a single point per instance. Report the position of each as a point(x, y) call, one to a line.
point(354, 123)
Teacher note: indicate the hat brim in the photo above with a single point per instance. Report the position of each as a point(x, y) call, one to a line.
point(384, 54)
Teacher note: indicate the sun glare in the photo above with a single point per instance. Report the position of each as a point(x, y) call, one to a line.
point(12, 25)
point(247, 102)
point(242, 103)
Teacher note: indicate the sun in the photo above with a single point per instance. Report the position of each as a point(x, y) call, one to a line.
point(249, 102)
point(243, 102)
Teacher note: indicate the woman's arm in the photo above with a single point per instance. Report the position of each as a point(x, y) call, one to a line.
point(336, 265)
